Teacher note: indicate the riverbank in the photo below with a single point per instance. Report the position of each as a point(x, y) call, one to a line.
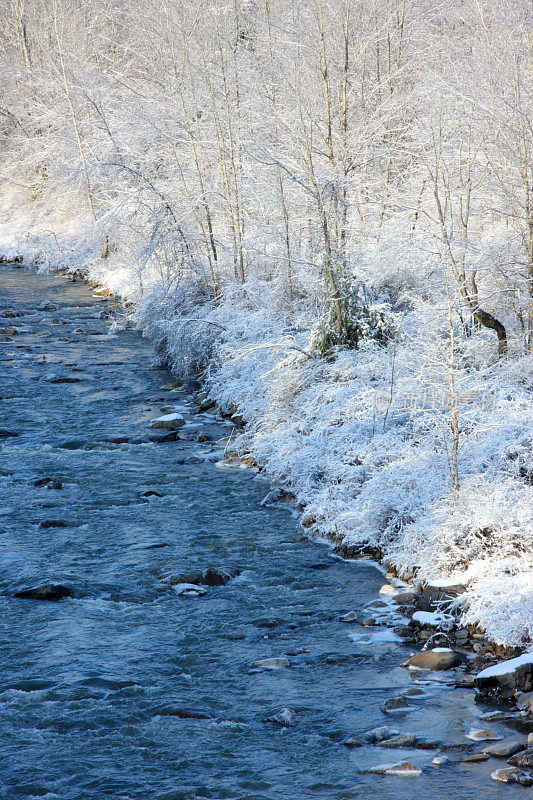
point(359, 442)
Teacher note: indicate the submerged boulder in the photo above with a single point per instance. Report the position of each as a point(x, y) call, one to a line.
point(45, 591)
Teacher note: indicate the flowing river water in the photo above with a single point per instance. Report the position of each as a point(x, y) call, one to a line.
point(127, 690)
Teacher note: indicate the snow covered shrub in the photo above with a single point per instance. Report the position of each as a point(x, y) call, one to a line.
point(362, 321)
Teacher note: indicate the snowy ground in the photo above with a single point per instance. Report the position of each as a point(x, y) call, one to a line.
point(362, 441)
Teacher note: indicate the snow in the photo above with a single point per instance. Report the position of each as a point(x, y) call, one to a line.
point(506, 667)
point(168, 418)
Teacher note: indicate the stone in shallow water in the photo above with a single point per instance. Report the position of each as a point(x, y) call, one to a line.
point(353, 742)
point(45, 591)
point(380, 734)
point(349, 617)
point(214, 577)
point(505, 748)
point(484, 735)
point(524, 760)
point(406, 740)
point(512, 775)
point(440, 658)
point(286, 717)
point(48, 483)
point(53, 523)
point(474, 758)
point(169, 422)
point(184, 713)
point(402, 769)
point(271, 663)
point(396, 705)
point(440, 760)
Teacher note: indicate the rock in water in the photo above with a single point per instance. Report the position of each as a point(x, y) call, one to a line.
point(45, 591)
point(440, 658)
point(380, 734)
point(396, 705)
point(184, 713)
point(504, 749)
point(524, 760)
point(271, 663)
point(285, 717)
point(514, 675)
point(485, 735)
point(350, 617)
point(524, 703)
point(512, 775)
point(214, 577)
point(406, 740)
point(402, 768)
point(170, 422)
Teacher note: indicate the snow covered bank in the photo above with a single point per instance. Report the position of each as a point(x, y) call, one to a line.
point(362, 439)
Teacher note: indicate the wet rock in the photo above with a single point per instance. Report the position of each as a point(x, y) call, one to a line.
point(151, 493)
point(395, 705)
point(47, 306)
point(353, 742)
point(440, 658)
point(214, 577)
point(508, 677)
point(53, 523)
point(512, 775)
point(45, 591)
point(268, 622)
point(169, 422)
point(405, 740)
point(466, 682)
point(404, 632)
point(62, 379)
point(270, 664)
point(184, 713)
point(285, 717)
point(369, 622)
point(524, 703)
point(202, 437)
point(349, 617)
point(523, 759)
point(172, 436)
point(402, 769)
point(48, 483)
point(355, 551)
point(506, 748)
point(5, 434)
point(484, 735)
point(405, 598)
point(8, 331)
point(474, 758)
point(440, 760)
point(380, 734)
point(188, 590)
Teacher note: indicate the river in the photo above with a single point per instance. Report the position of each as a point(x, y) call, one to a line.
point(127, 690)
